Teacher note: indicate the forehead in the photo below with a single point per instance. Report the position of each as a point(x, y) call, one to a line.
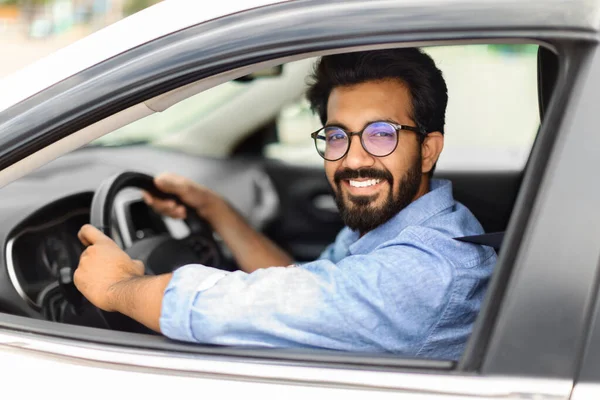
point(367, 101)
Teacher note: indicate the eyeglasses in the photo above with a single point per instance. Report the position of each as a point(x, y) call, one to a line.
point(377, 138)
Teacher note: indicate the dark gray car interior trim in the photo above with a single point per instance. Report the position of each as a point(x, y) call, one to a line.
point(189, 55)
point(547, 77)
point(590, 353)
point(545, 310)
point(588, 371)
point(534, 170)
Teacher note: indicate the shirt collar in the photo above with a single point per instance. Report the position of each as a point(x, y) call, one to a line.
point(433, 202)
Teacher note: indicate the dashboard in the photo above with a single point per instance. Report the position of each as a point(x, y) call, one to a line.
point(41, 213)
point(36, 255)
point(42, 257)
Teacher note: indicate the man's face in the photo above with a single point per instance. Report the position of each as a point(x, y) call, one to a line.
point(370, 190)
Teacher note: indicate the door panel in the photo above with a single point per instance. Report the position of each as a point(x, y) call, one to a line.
point(309, 219)
point(489, 195)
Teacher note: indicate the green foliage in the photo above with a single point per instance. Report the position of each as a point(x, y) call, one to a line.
point(513, 48)
point(133, 6)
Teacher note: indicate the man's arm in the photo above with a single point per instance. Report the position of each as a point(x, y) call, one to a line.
point(141, 298)
point(388, 300)
point(251, 249)
point(112, 281)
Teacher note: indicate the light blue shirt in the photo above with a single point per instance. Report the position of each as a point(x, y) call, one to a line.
point(406, 287)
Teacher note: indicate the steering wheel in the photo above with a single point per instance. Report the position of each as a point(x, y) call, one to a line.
point(160, 254)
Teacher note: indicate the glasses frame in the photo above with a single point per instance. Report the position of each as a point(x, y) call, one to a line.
point(396, 126)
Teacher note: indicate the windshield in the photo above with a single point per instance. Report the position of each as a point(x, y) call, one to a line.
point(212, 122)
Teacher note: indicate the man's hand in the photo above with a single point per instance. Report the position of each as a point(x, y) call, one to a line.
point(206, 202)
point(102, 267)
point(251, 249)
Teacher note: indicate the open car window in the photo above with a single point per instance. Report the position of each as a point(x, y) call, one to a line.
point(227, 138)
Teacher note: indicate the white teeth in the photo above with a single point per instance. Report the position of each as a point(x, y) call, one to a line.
point(370, 182)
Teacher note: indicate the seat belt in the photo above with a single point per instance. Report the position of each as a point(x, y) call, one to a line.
point(493, 239)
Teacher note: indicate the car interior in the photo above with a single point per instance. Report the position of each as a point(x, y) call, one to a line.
point(248, 139)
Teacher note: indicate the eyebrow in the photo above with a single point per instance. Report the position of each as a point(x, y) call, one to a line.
point(341, 125)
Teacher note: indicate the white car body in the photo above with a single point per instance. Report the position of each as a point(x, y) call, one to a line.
point(71, 369)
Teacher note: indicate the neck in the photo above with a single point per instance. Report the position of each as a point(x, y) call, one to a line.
point(423, 187)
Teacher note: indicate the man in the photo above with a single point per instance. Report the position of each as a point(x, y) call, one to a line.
point(395, 280)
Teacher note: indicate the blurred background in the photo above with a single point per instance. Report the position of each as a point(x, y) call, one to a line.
point(31, 29)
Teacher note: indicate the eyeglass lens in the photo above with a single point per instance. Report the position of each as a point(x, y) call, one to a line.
point(378, 138)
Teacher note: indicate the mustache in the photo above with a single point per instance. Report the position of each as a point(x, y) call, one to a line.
point(365, 173)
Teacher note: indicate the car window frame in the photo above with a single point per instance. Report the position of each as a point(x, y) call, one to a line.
point(582, 117)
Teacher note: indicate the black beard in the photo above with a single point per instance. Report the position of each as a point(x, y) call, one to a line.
point(357, 212)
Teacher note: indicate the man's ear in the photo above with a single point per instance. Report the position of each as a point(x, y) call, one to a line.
point(430, 150)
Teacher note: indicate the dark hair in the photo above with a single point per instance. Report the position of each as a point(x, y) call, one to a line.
point(429, 95)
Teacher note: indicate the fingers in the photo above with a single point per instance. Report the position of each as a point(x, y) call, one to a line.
point(178, 212)
point(172, 183)
point(188, 192)
point(139, 267)
point(169, 208)
point(148, 199)
point(89, 235)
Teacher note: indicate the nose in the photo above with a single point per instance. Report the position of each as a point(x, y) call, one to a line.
point(357, 157)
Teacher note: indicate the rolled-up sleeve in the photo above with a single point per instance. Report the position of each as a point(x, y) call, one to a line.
point(179, 297)
point(385, 301)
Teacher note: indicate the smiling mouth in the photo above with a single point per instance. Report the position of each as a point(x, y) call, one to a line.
point(363, 187)
point(362, 184)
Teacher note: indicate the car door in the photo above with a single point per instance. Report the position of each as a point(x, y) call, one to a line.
point(532, 326)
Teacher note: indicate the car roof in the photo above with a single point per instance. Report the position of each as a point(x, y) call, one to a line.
point(171, 16)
